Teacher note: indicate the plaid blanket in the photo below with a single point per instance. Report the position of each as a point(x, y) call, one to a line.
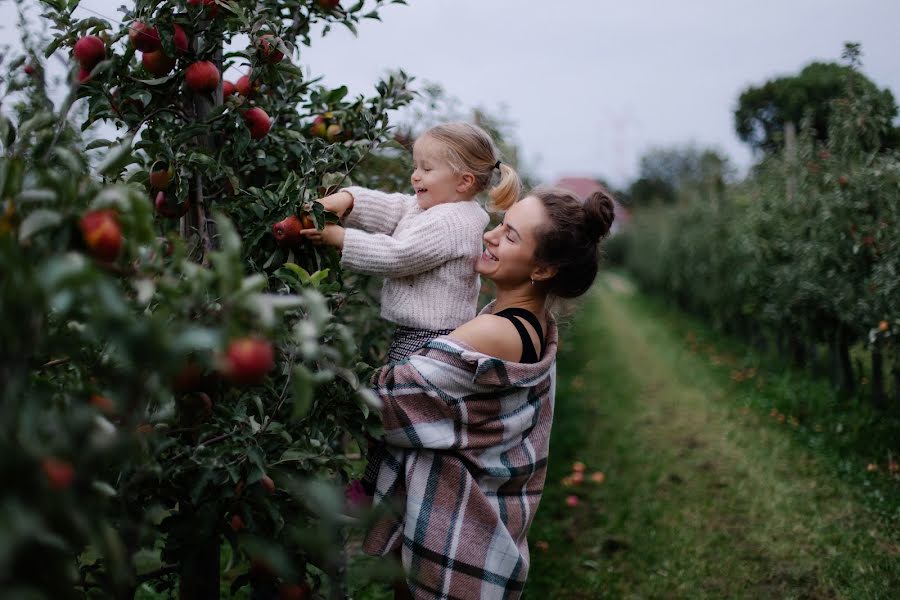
point(468, 436)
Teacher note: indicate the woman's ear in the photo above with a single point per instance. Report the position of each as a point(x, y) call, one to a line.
point(543, 273)
point(464, 183)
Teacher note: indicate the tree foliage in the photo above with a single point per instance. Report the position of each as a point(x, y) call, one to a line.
point(134, 442)
point(763, 110)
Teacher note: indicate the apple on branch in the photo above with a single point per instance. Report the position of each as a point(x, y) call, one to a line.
point(258, 122)
point(202, 77)
point(157, 63)
point(102, 234)
point(161, 173)
point(89, 51)
point(248, 360)
point(144, 37)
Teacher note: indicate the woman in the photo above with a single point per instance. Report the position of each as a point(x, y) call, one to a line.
point(467, 418)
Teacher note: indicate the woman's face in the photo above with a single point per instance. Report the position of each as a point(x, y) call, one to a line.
point(509, 248)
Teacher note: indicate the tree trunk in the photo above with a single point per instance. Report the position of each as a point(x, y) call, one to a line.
point(199, 569)
point(841, 365)
point(798, 351)
point(878, 396)
point(896, 371)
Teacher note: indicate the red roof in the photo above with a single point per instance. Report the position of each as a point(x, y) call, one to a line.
point(584, 187)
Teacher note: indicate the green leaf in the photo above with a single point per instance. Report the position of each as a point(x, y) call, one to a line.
point(38, 121)
point(38, 220)
point(195, 339)
point(7, 132)
point(116, 159)
point(99, 143)
point(302, 387)
point(299, 271)
point(158, 80)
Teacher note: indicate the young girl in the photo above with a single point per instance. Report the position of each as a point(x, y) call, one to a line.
point(425, 246)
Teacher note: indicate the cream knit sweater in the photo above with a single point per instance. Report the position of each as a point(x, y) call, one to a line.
point(427, 257)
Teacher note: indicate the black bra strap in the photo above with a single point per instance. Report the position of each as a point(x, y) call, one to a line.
point(529, 354)
point(528, 316)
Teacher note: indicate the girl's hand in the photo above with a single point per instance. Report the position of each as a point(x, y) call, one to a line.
point(340, 203)
point(332, 235)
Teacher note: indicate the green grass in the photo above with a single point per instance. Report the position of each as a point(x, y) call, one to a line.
point(720, 481)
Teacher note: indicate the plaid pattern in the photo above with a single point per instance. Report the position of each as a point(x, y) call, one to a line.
point(468, 437)
point(406, 341)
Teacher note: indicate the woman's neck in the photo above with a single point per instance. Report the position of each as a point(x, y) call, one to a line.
point(522, 297)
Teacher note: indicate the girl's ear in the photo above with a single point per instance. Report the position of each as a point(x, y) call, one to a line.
point(465, 182)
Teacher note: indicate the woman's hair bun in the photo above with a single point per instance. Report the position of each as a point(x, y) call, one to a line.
point(599, 214)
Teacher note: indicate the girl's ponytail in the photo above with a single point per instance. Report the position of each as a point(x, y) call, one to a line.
point(506, 192)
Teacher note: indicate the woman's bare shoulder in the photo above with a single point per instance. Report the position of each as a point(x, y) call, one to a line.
point(491, 335)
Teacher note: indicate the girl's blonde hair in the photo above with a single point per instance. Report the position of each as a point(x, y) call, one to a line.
point(470, 149)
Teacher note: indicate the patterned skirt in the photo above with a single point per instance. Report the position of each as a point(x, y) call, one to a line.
point(407, 340)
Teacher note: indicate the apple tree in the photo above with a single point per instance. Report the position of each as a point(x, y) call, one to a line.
point(181, 375)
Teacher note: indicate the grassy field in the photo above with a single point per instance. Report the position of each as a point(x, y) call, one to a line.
point(723, 476)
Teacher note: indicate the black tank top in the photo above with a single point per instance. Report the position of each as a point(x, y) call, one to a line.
point(529, 354)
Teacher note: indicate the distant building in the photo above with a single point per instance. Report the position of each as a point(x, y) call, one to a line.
point(584, 187)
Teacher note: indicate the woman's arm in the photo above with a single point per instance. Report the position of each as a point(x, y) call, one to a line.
point(428, 404)
point(491, 335)
point(431, 400)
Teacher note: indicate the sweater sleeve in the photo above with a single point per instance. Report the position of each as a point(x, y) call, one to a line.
point(435, 238)
point(374, 211)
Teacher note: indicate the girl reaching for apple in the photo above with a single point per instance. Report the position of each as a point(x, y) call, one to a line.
point(424, 245)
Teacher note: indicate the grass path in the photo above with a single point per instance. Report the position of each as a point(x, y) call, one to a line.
point(705, 496)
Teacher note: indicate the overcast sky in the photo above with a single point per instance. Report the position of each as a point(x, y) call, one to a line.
point(590, 84)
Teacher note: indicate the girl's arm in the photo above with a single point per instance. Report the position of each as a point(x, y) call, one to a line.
point(429, 243)
point(368, 210)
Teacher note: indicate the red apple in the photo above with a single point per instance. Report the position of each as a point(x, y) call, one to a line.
point(60, 473)
point(269, 50)
point(103, 404)
point(102, 234)
point(267, 484)
point(843, 181)
point(244, 87)
point(293, 591)
point(258, 122)
point(334, 132)
point(195, 407)
point(227, 88)
point(202, 77)
point(157, 63)
point(180, 39)
point(189, 379)
point(328, 4)
point(209, 5)
point(237, 523)
point(168, 206)
point(161, 175)
point(248, 360)
point(319, 127)
point(84, 75)
point(287, 232)
point(88, 51)
point(29, 70)
point(143, 37)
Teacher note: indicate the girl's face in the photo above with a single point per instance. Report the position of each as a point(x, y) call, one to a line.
point(508, 257)
point(433, 179)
